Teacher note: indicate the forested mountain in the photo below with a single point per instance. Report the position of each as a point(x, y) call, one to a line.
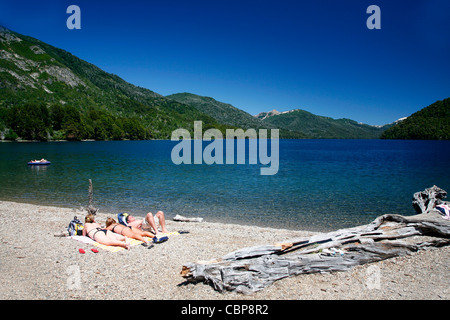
point(222, 112)
point(48, 93)
point(430, 123)
point(319, 127)
point(292, 124)
point(227, 114)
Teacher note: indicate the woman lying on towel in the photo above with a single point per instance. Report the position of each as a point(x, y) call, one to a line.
point(93, 230)
point(128, 231)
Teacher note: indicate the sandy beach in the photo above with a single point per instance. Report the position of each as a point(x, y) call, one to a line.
point(35, 264)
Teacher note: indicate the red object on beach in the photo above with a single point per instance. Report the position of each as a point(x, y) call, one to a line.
point(81, 250)
point(94, 250)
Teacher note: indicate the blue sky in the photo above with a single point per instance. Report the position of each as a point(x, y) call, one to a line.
point(261, 55)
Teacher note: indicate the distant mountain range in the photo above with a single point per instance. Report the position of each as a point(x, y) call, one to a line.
point(229, 115)
point(47, 93)
point(320, 127)
point(293, 122)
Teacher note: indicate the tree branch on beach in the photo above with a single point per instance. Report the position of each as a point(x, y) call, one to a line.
point(254, 268)
point(90, 208)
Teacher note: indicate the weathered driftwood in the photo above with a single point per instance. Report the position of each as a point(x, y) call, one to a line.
point(90, 208)
point(180, 218)
point(425, 201)
point(254, 268)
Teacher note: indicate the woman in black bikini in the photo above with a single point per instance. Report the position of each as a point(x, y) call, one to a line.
point(130, 232)
point(93, 230)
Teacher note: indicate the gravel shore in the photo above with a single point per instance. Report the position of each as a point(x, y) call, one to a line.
point(34, 264)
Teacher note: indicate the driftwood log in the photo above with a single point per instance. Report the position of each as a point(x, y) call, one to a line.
point(254, 268)
point(425, 201)
point(180, 218)
point(90, 208)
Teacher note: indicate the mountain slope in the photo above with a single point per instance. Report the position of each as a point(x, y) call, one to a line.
point(292, 124)
point(320, 127)
point(60, 96)
point(430, 123)
point(229, 115)
point(264, 115)
point(222, 112)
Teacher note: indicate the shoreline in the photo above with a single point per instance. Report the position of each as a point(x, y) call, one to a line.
point(34, 264)
point(309, 229)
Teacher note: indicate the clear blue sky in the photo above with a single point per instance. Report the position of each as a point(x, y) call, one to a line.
point(259, 55)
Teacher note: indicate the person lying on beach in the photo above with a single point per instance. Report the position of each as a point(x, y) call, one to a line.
point(149, 223)
point(128, 231)
point(94, 231)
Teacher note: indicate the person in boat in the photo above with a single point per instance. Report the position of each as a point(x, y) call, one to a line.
point(94, 231)
point(149, 223)
point(39, 161)
point(128, 231)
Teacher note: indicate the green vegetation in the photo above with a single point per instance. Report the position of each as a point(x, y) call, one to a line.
point(49, 94)
point(229, 115)
point(39, 122)
point(222, 112)
point(319, 127)
point(430, 123)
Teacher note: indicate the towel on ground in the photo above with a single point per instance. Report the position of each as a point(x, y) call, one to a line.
point(133, 242)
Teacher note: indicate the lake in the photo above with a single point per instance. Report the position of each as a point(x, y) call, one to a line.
point(321, 185)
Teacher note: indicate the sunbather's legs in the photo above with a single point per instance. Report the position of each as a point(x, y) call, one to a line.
point(143, 233)
point(151, 221)
point(109, 241)
point(162, 221)
point(147, 234)
point(127, 232)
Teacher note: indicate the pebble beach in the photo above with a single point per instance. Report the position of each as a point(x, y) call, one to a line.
point(37, 265)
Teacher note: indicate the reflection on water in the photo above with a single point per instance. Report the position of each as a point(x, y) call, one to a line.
point(38, 169)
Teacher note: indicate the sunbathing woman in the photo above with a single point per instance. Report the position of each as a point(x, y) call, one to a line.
point(130, 232)
point(93, 230)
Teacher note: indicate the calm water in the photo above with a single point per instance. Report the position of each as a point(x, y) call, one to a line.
point(321, 184)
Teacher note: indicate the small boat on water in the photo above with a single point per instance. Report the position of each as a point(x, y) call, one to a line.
point(41, 162)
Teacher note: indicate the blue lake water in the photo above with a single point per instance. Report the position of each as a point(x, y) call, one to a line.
point(321, 184)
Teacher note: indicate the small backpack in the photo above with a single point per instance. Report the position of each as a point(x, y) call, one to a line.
point(75, 227)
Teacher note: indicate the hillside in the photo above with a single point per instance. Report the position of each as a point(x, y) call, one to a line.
point(319, 127)
point(222, 112)
point(430, 123)
point(229, 115)
point(292, 124)
point(48, 93)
